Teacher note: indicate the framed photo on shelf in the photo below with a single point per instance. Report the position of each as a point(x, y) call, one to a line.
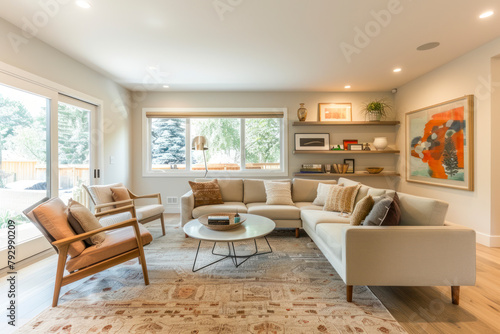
point(355, 147)
point(350, 162)
point(440, 144)
point(335, 112)
point(349, 141)
point(312, 141)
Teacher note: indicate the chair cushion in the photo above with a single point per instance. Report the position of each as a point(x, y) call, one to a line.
point(278, 193)
point(117, 242)
point(206, 193)
point(102, 194)
point(82, 220)
point(114, 219)
point(304, 190)
point(146, 211)
point(227, 207)
point(52, 215)
point(279, 212)
point(311, 218)
point(119, 194)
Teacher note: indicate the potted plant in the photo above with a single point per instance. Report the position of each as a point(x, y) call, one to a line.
point(376, 109)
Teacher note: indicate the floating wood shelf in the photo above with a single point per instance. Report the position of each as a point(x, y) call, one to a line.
point(347, 175)
point(346, 152)
point(345, 123)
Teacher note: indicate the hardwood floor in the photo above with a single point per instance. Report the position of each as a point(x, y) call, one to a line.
point(418, 309)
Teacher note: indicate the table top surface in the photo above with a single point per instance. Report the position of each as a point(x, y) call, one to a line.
point(254, 227)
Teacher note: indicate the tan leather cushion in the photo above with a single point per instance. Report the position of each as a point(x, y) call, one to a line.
point(119, 194)
point(87, 221)
point(147, 211)
point(306, 190)
point(283, 212)
point(227, 207)
point(278, 193)
point(341, 199)
point(255, 190)
point(206, 193)
point(117, 242)
point(102, 194)
point(52, 216)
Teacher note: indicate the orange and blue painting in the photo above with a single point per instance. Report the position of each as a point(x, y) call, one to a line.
point(438, 144)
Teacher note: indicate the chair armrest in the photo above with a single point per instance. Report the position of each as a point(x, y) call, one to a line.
point(79, 237)
point(134, 196)
point(130, 208)
point(99, 207)
point(187, 206)
point(409, 255)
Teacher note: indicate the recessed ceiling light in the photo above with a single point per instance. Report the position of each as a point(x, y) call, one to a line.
point(166, 86)
point(347, 86)
point(428, 46)
point(397, 69)
point(83, 4)
point(486, 14)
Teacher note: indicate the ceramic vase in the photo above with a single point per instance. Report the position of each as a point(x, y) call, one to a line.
point(302, 113)
point(380, 143)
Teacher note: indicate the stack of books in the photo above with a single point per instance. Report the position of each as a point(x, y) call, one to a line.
point(218, 220)
point(311, 168)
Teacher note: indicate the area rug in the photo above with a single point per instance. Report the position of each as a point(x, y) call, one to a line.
point(294, 289)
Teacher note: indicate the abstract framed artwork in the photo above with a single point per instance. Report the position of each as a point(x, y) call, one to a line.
point(440, 144)
point(348, 142)
point(335, 112)
point(312, 141)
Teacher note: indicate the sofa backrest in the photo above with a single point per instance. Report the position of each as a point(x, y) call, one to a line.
point(230, 189)
point(254, 191)
point(305, 190)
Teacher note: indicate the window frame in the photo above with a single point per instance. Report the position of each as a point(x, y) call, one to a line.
point(146, 144)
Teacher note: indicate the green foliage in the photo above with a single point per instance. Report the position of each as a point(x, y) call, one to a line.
point(223, 136)
point(6, 215)
point(74, 131)
point(168, 141)
point(450, 159)
point(262, 142)
point(379, 106)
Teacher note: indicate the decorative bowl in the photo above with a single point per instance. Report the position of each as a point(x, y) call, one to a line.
point(374, 170)
point(204, 220)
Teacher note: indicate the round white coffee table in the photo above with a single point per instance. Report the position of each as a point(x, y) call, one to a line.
point(254, 227)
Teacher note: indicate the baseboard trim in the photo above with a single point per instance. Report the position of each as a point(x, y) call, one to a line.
point(488, 240)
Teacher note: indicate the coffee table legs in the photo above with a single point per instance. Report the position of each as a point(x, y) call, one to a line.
point(231, 254)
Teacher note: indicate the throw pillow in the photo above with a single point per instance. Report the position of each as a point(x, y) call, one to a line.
point(278, 193)
point(341, 199)
point(206, 193)
point(385, 212)
point(82, 220)
point(361, 210)
point(322, 193)
point(120, 194)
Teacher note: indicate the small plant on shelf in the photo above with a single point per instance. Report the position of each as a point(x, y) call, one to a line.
point(376, 109)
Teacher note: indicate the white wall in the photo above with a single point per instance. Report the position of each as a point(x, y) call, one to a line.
point(43, 60)
point(178, 186)
point(468, 74)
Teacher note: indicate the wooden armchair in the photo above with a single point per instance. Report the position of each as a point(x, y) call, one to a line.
point(124, 241)
point(102, 197)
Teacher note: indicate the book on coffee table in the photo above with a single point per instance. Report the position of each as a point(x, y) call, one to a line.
point(218, 220)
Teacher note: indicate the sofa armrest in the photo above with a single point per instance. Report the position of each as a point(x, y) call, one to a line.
point(187, 206)
point(409, 255)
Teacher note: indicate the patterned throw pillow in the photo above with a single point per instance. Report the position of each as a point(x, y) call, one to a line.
point(322, 193)
point(361, 210)
point(278, 193)
point(206, 193)
point(82, 220)
point(385, 212)
point(341, 199)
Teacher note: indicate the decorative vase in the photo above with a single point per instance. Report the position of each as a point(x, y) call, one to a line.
point(374, 116)
point(302, 113)
point(380, 143)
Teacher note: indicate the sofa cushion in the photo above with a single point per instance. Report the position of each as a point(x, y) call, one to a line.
point(255, 191)
point(117, 242)
point(231, 190)
point(331, 234)
point(386, 212)
point(322, 193)
point(304, 190)
point(341, 198)
point(308, 206)
point(228, 207)
point(274, 211)
point(206, 193)
point(278, 193)
point(361, 210)
point(421, 211)
point(311, 218)
point(146, 211)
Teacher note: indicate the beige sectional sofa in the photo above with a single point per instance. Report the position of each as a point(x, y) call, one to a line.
point(423, 250)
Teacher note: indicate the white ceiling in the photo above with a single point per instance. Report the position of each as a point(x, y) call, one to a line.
point(259, 45)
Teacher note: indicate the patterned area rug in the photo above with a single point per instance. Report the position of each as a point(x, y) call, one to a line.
point(292, 290)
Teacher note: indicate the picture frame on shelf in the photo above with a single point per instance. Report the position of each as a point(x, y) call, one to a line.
point(351, 169)
point(440, 144)
point(335, 112)
point(355, 147)
point(312, 141)
point(349, 141)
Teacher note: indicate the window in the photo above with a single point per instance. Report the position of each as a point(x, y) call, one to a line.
point(242, 141)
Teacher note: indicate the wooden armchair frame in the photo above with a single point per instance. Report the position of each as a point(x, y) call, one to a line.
point(61, 246)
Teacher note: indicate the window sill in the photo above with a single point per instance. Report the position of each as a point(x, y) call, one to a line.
point(216, 174)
